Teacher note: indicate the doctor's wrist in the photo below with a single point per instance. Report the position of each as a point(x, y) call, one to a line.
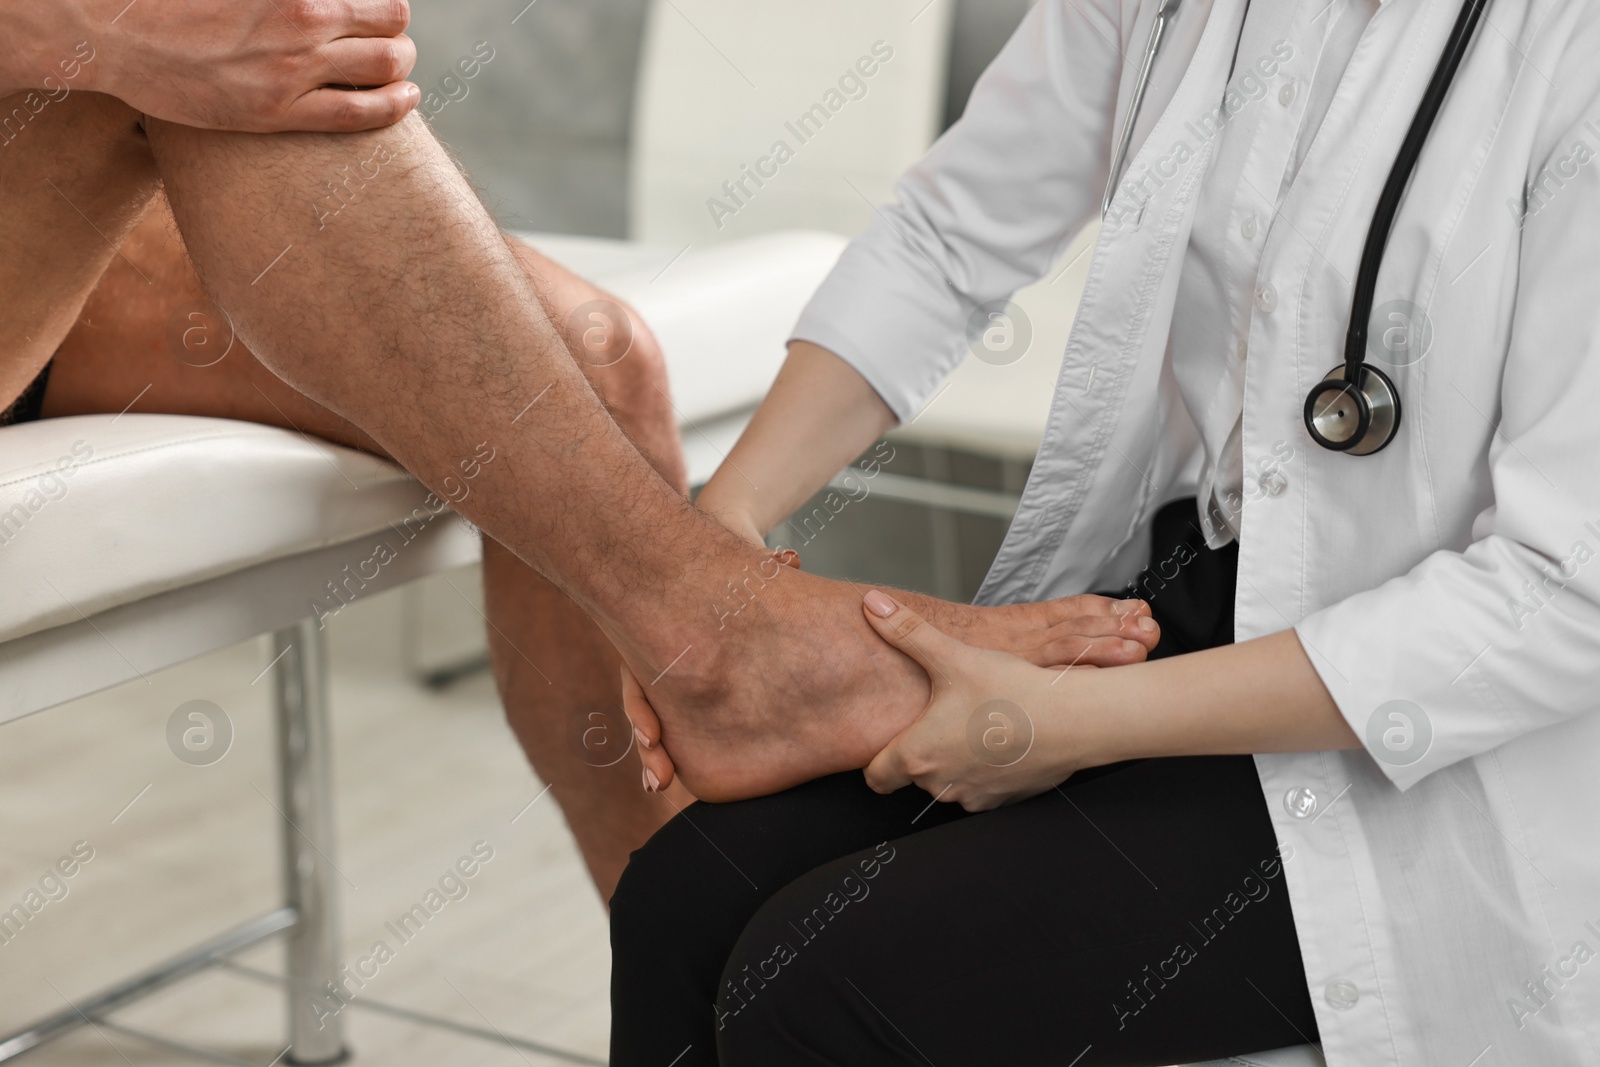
point(1085, 721)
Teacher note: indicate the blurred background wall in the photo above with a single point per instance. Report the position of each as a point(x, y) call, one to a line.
point(544, 129)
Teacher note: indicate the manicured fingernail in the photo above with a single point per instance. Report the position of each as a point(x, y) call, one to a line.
point(1147, 624)
point(879, 605)
point(789, 558)
point(652, 784)
point(644, 742)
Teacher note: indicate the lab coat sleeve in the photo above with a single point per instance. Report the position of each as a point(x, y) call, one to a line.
point(988, 211)
point(1503, 638)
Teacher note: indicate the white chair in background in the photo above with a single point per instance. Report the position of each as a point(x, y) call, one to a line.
point(133, 543)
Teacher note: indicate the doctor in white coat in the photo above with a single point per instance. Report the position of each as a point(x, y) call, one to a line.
point(1418, 661)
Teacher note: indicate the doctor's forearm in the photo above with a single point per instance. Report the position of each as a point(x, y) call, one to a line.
point(820, 415)
point(1258, 696)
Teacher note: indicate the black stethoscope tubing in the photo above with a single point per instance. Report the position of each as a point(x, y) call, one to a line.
point(1355, 344)
point(1359, 383)
point(1353, 385)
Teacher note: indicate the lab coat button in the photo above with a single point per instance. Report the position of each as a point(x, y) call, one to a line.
point(1286, 95)
point(1301, 802)
point(1249, 228)
point(1341, 995)
point(1272, 482)
point(1266, 299)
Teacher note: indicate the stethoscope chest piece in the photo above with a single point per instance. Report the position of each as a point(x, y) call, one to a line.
point(1356, 417)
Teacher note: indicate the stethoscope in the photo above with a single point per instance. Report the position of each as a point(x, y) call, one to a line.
point(1355, 408)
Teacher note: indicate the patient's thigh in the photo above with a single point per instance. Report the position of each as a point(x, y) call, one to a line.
point(149, 337)
point(75, 176)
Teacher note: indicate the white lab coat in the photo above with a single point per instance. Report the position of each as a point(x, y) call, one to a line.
point(1445, 882)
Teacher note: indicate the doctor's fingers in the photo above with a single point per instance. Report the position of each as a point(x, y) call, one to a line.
point(934, 650)
point(888, 772)
point(904, 762)
point(658, 770)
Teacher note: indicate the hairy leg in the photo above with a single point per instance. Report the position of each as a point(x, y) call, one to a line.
point(149, 332)
point(75, 180)
point(362, 269)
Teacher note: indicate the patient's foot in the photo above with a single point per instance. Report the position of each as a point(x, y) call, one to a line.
point(794, 685)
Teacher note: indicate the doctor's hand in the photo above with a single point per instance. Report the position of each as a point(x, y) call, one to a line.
point(1068, 632)
point(253, 66)
point(994, 730)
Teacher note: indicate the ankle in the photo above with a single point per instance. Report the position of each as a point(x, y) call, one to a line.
point(696, 636)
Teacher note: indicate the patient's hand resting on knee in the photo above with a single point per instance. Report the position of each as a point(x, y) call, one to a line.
point(255, 66)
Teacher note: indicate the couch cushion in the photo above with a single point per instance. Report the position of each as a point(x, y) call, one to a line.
point(102, 510)
point(723, 313)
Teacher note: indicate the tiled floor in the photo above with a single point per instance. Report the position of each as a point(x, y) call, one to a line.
point(183, 852)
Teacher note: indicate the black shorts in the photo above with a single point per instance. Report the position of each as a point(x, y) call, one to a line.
point(28, 406)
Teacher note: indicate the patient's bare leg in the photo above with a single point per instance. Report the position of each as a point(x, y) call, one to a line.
point(74, 180)
point(398, 302)
point(557, 673)
point(404, 312)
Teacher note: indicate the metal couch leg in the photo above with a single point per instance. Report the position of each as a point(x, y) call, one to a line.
point(311, 880)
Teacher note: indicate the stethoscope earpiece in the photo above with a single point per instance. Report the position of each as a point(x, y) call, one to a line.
point(1355, 417)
